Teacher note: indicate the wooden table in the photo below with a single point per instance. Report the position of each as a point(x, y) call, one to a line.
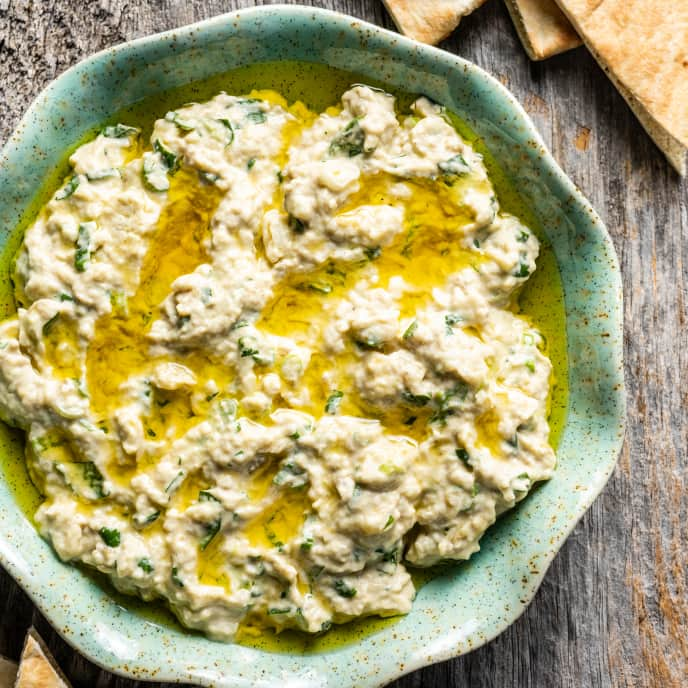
point(613, 608)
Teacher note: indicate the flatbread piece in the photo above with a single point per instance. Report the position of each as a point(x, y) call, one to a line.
point(542, 28)
point(429, 21)
point(37, 668)
point(643, 47)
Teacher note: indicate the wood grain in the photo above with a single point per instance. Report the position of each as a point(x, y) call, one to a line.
point(613, 608)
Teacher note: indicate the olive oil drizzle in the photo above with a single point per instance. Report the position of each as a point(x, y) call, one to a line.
point(135, 348)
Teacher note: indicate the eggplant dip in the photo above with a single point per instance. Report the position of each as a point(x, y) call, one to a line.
point(272, 357)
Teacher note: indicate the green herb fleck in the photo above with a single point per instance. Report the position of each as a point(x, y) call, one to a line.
point(175, 578)
point(151, 518)
point(111, 536)
point(169, 158)
point(343, 589)
point(307, 544)
point(349, 141)
point(82, 246)
point(205, 496)
point(372, 253)
point(256, 117)
point(248, 346)
point(320, 286)
point(410, 330)
point(450, 320)
point(175, 482)
point(118, 131)
point(251, 163)
point(530, 365)
point(523, 270)
point(415, 399)
point(97, 175)
point(276, 610)
point(208, 177)
point(145, 565)
point(68, 189)
point(48, 325)
point(334, 402)
point(296, 225)
point(181, 123)
point(94, 478)
point(211, 530)
point(462, 455)
point(522, 237)
point(369, 343)
point(390, 520)
point(454, 166)
point(230, 131)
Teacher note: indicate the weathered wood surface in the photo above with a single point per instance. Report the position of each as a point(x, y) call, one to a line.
point(613, 608)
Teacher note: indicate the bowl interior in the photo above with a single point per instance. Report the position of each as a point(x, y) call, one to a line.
point(461, 607)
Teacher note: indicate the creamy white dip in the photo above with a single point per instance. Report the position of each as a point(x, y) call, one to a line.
point(272, 358)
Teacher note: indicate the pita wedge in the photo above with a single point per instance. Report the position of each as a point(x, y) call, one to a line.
point(542, 28)
point(37, 668)
point(8, 673)
point(643, 47)
point(429, 21)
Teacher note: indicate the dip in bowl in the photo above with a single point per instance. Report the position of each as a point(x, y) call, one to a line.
point(462, 606)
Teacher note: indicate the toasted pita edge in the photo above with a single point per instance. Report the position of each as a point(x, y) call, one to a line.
point(37, 667)
point(673, 148)
point(429, 21)
point(8, 672)
point(542, 27)
point(674, 151)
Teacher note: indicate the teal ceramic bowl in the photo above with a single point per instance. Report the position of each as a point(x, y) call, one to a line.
point(466, 605)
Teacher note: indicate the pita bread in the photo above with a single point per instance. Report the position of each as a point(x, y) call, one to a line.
point(643, 47)
point(37, 668)
point(8, 673)
point(429, 21)
point(542, 28)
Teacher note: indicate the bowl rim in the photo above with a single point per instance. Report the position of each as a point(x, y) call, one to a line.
point(207, 675)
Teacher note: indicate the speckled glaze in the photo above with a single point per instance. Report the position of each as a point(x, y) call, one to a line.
point(468, 604)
